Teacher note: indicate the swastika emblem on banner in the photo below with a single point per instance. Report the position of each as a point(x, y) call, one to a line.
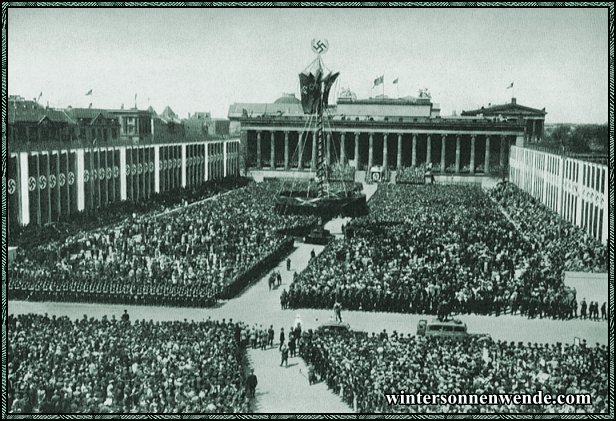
point(31, 183)
point(151, 167)
point(42, 182)
point(319, 46)
point(109, 174)
point(133, 170)
point(52, 181)
point(62, 179)
point(116, 172)
point(101, 173)
point(10, 186)
point(86, 176)
point(139, 168)
point(71, 178)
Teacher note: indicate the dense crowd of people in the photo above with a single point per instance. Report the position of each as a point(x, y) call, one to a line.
point(188, 257)
point(57, 365)
point(33, 235)
point(566, 244)
point(363, 368)
point(434, 249)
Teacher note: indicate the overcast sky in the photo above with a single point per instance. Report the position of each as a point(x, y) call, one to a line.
point(206, 59)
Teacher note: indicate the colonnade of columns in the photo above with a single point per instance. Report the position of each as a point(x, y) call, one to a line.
point(339, 139)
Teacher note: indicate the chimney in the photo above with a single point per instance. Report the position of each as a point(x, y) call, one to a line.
point(513, 101)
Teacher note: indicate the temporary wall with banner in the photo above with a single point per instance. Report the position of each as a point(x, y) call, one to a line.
point(47, 186)
point(577, 190)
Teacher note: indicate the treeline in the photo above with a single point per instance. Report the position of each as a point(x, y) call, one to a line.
point(578, 138)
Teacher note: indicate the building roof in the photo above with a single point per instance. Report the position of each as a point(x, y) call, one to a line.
point(87, 113)
point(236, 110)
point(169, 116)
point(36, 115)
point(287, 99)
point(512, 108)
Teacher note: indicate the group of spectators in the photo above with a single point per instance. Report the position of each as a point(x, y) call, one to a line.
point(186, 257)
point(57, 365)
point(434, 249)
point(362, 368)
point(565, 244)
point(33, 235)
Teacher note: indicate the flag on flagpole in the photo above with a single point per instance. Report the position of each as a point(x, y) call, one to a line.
point(378, 81)
point(395, 81)
point(89, 92)
point(510, 86)
point(39, 97)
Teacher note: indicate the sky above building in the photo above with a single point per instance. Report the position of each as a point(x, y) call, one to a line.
point(205, 59)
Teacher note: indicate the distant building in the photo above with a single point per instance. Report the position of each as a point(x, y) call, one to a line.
point(219, 127)
point(167, 127)
point(533, 119)
point(197, 125)
point(380, 131)
point(94, 124)
point(135, 125)
point(30, 122)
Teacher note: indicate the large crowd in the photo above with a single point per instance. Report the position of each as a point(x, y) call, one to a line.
point(566, 244)
point(190, 256)
point(434, 249)
point(57, 365)
point(363, 368)
point(34, 235)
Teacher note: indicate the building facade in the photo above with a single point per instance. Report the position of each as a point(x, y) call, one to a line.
point(391, 133)
point(29, 123)
point(94, 125)
point(532, 119)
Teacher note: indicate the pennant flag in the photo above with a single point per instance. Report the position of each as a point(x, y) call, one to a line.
point(378, 80)
point(89, 92)
point(54, 188)
point(327, 85)
point(71, 179)
point(39, 97)
point(395, 81)
point(13, 188)
point(510, 86)
point(310, 86)
point(63, 186)
point(33, 188)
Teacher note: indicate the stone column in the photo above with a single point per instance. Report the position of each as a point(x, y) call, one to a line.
point(414, 153)
point(286, 150)
point(357, 150)
point(457, 154)
point(258, 149)
point(502, 152)
point(342, 150)
point(385, 163)
point(443, 144)
point(486, 163)
point(300, 151)
point(399, 152)
point(429, 150)
point(532, 133)
point(473, 154)
point(272, 151)
point(328, 150)
point(313, 161)
point(370, 151)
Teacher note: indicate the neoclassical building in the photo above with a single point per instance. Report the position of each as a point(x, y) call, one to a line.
point(387, 132)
